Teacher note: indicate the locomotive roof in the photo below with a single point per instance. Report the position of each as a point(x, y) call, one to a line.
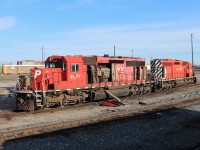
point(99, 57)
point(171, 60)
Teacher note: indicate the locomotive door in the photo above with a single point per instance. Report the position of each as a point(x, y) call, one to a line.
point(136, 73)
point(118, 72)
point(64, 69)
point(144, 72)
point(91, 74)
point(188, 70)
point(113, 72)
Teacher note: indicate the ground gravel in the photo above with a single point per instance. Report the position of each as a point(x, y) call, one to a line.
point(29, 120)
point(167, 129)
point(146, 132)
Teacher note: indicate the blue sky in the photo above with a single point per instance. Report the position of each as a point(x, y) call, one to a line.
point(151, 28)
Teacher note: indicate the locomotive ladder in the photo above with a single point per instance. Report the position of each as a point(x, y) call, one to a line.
point(38, 96)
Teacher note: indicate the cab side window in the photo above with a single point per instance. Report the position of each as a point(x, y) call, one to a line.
point(74, 67)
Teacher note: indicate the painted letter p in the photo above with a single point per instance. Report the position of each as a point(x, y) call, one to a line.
point(37, 73)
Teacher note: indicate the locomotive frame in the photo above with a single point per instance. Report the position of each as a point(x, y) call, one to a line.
point(78, 79)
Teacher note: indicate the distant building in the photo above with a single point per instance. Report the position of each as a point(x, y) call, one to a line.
point(148, 67)
point(29, 62)
point(197, 67)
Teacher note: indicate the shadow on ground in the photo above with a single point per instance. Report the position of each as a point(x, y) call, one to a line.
point(160, 129)
point(7, 99)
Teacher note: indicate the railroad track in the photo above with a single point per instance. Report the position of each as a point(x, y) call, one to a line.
point(46, 110)
point(11, 135)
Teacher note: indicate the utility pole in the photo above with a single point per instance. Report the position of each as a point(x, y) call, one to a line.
point(192, 52)
point(132, 52)
point(42, 54)
point(114, 50)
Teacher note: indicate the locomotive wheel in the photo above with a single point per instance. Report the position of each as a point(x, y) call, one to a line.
point(195, 80)
point(144, 89)
point(148, 89)
point(136, 90)
point(162, 87)
point(133, 91)
point(167, 86)
point(65, 102)
point(174, 84)
point(188, 82)
point(30, 105)
point(140, 89)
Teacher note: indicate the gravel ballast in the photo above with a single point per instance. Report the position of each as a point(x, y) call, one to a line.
point(166, 129)
point(142, 132)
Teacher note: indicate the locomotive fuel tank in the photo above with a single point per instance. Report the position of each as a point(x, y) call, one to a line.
point(98, 95)
point(121, 90)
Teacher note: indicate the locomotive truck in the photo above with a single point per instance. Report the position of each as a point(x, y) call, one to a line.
point(68, 80)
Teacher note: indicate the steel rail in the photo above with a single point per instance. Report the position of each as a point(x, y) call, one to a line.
point(12, 135)
point(15, 113)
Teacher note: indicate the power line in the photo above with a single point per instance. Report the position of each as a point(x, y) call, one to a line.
point(14, 47)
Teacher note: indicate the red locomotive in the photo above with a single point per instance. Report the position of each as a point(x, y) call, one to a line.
point(167, 73)
point(77, 79)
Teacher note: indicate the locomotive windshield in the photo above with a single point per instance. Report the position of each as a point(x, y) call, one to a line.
point(57, 63)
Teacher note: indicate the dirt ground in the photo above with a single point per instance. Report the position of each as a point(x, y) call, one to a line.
point(7, 84)
point(10, 121)
point(158, 130)
point(19, 120)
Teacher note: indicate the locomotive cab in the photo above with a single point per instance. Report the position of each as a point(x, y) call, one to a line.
point(57, 62)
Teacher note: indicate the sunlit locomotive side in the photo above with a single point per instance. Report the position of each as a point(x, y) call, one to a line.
point(168, 73)
point(77, 79)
